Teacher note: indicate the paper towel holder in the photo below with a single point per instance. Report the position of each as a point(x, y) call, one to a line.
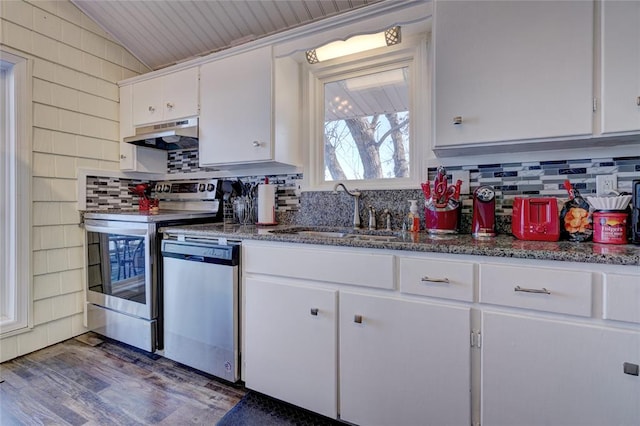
point(266, 203)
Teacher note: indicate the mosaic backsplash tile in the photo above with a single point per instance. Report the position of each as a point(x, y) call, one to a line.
point(108, 193)
point(541, 178)
point(546, 178)
point(184, 161)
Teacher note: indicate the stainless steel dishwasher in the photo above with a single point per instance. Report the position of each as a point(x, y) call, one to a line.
point(201, 303)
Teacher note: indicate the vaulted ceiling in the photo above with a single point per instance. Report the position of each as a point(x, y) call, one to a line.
point(164, 32)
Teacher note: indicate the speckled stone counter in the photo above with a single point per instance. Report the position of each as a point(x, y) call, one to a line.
point(500, 246)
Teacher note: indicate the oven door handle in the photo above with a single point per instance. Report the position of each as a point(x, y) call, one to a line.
point(112, 230)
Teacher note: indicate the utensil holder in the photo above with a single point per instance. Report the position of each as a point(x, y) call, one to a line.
point(442, 221)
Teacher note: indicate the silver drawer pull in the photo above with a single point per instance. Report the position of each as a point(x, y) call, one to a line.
point(531, 290)
point(426, 279)
point(314, 312)
point(357, 319)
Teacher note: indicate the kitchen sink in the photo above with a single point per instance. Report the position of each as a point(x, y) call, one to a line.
point(350, 235)
point(321, 234)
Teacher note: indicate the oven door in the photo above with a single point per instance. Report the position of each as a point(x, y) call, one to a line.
point(119, 267)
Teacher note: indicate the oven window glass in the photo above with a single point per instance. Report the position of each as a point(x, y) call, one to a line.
point(116, 265)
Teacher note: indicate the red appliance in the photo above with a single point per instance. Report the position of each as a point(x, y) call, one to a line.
point(635, 212)
point(535, 219)
point(483, 223)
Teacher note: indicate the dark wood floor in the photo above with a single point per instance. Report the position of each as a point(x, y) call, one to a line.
point(89, 381)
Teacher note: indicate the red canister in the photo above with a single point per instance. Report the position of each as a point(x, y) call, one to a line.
point(610, 227)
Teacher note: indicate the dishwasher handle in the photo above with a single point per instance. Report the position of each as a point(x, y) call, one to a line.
point(201, 259)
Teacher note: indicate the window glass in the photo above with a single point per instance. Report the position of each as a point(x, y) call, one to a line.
point(15, 270)
point(366, 126)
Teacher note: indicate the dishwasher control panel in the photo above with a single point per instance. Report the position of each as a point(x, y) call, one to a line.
point(202, 251)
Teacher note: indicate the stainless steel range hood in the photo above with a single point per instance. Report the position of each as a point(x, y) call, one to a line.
point(180, 134)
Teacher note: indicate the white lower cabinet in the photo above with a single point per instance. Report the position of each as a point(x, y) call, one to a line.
point(329, 343)
point(403, 362)
point(426, 339)
point(291, 343)
point(540, 371)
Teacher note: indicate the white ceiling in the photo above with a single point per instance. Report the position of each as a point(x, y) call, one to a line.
point(164, 32)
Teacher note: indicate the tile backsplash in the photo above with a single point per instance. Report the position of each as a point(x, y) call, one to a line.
point(539, 178)
point(545, 178)
point(110, 193)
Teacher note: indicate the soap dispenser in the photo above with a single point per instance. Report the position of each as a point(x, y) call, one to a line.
point(413, 220)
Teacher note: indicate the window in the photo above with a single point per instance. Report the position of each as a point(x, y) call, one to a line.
point(363, 125)
point(366, 126)
point(15, 183)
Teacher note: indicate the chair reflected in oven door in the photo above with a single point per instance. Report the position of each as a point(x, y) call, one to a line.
point(119, 273)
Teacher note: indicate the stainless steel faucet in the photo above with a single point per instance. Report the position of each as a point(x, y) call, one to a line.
point(387, 216)
point(356, 209)
point(372, 218)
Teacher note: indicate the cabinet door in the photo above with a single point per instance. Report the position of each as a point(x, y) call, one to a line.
point(236, 109)
point(147, 102)
point(541, 371)
point(620, 66)
point(180, 94)
point(512, 70)
point(290, 344)
point(136, 158)
point(405, 363)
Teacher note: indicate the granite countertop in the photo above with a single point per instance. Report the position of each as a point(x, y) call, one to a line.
point(500, 246)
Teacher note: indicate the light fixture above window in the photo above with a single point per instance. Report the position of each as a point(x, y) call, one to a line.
point(355, 44)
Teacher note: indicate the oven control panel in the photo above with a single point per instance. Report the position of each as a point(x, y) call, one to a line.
point(196, 189)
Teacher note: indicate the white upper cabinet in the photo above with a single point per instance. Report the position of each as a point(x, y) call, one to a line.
point(250, 110)
point(136, 158)
point(168, 97)
point(620, 66)
point(512, 71)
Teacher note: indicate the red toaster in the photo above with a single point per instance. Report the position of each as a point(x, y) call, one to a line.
point(535, 219)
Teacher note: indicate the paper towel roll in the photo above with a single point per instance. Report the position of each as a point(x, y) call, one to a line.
point(267, 204)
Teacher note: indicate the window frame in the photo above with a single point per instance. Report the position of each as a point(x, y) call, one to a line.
point(412, 53)
point(16, 272)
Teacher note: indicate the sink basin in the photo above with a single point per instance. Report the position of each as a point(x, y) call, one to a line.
point(325, 234)
point(355, 235)
point(368, 237)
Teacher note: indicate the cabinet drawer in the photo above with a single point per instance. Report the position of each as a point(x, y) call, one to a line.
point(622, 297)
point(543, 289)
point(435, 278)
point(335, 266)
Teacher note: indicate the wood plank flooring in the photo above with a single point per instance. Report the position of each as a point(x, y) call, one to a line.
point(88, 381)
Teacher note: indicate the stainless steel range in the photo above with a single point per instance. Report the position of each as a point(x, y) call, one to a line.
point(124, 267)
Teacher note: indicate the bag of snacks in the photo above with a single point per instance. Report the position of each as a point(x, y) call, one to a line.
point(575, 217)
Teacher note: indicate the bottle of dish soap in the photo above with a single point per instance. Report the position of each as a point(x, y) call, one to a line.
point(413, 220)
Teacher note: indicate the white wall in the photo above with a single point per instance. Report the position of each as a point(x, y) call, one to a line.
point(75, 124)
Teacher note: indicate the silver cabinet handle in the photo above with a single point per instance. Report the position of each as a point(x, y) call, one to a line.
point(531, 290)
point(457, 119)
point(256, 143)
point(169, 105)
point(151, 109)
point(638, 101)
point(122, 156)
point(357, 319)
point(314, 312)
point(434, 280)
